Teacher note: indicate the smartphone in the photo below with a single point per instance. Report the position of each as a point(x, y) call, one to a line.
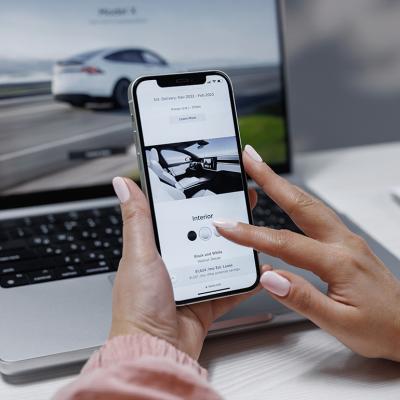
point(189, 155)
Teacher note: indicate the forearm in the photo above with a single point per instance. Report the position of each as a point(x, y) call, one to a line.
point(139, 367)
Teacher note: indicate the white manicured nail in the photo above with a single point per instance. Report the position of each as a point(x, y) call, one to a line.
point(275, 283)
point(121, 189)
point(224, 223)
point(252, 153)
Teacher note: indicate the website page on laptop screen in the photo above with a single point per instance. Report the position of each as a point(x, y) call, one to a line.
point(65, 68)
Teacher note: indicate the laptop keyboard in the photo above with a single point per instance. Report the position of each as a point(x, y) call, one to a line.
point(79, 243)
point(268, 213)
point(59, 246)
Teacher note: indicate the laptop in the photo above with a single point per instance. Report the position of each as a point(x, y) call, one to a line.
point(65, 132)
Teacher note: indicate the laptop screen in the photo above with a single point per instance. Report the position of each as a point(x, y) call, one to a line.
point(65, 68)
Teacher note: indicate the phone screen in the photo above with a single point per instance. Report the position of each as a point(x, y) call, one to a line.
point(191, 153)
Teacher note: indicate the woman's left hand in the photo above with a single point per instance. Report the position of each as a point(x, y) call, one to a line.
point(143, 299)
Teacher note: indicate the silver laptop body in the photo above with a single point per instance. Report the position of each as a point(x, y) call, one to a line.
point(61, 322)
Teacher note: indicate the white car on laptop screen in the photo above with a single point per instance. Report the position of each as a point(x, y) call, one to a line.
point(103, 75)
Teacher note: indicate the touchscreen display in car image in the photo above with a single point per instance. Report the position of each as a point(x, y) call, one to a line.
point(194, 169)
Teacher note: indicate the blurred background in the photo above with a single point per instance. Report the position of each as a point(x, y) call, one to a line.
point(344, 72)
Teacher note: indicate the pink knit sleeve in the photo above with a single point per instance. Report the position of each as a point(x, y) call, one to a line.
point(139, 367)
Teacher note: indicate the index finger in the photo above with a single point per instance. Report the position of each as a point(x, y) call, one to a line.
point(308, 213)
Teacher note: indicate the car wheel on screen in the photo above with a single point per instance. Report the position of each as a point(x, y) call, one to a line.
point(120, 94)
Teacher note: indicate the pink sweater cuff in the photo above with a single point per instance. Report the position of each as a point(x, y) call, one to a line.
point(133, 347)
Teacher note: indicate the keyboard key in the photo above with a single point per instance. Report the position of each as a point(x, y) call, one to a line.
point(27, 221)
point(113, 231)
point(94, 255)
point(74, 247)
point(45, 229)
point(8, 270)
point(96, 267)
point(4, 237)
point(69, 271)
point(20, 233)
point(63, 237)
point(73, 259)
point(12, 244)
point(16, 255)
point(30, 265)
point(49, 251)
point(39, 241)
point(13, 280)
point(113, 253)
point(51, 218)
point(70, 225)
point(42, 275)
point(115, 220)
point(7, 224)
point(92, 222)
point(102, 244)
point(73, 215)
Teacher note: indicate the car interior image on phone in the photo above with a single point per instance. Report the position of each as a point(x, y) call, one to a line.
point(184, 172)
point(192, 172)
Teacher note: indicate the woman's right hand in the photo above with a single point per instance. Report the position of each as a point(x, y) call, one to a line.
point(362, 305)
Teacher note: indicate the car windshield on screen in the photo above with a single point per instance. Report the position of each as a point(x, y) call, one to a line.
point(63, 93)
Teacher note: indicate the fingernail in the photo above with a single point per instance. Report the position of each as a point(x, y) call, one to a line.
point(121, 189)
point(275, 283)
point(252, 153)
point(224, 223)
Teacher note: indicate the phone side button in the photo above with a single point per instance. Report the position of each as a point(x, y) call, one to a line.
point(139, 158)
point(131, 108)
point(134, 129)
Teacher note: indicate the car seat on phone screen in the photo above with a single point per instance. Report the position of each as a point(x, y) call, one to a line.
point(170, 187)
point(154, 164)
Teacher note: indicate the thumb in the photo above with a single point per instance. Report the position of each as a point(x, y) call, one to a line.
point(138, 235)
point(299, 295)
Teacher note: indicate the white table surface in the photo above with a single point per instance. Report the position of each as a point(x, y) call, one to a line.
point(300, 361)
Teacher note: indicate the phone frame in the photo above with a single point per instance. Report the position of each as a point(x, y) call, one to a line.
point(183, 79)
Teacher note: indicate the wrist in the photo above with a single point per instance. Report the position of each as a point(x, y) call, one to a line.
point(125, 328)
point(121, 328)
point(190, 344)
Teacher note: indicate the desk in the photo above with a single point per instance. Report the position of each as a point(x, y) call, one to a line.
point(300, 361)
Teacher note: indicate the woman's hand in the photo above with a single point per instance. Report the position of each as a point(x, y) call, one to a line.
point(362, 305)
point(143, 299)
